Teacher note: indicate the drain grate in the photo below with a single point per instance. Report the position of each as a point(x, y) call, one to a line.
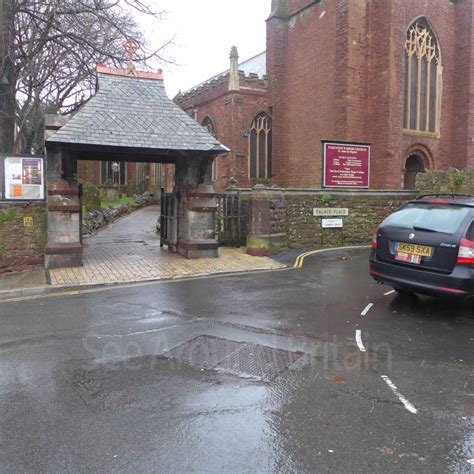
point(238, 358)
point(204, 351)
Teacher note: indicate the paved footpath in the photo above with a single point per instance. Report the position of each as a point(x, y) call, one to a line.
point(129, 250)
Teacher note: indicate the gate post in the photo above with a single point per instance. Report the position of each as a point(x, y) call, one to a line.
point(267, 233)
point(64, 246)
point(196, 209)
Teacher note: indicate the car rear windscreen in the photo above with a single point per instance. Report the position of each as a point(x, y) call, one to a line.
point(470, 232)
point(432, 218)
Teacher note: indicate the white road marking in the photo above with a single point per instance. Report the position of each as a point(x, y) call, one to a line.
point(470, 461)
point(366, 309)
point(389, 292)
point(394, 389)
point(360, 344)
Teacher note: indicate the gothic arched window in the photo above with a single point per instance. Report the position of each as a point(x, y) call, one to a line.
point(209, 124)
point(260, 147)
point(422, 98)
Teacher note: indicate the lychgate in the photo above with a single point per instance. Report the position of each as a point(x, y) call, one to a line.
point(130, 118)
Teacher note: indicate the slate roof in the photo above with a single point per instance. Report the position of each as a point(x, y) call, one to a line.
point(254, 65)
point(135, 112)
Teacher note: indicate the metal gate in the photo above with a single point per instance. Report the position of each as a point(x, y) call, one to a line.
point(231, 222)
point(169, 219)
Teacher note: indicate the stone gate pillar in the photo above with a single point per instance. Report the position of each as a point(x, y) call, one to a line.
point(267, 212)
point(64, 246)
point(196, 208)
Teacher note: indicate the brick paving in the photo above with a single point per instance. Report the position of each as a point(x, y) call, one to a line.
point(129, 251)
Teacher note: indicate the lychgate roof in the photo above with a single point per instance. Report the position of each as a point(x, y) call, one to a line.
point(135, 112)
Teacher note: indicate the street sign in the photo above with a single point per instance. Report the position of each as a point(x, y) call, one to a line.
point(330, 211)
point(331, 223)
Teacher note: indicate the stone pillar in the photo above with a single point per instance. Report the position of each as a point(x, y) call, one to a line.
point(60, 164)
point(234, 80)
point(267, 222)
point(54, 164)
point(196, 209)
point(64, 247)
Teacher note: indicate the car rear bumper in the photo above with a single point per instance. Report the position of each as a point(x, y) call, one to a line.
point(458, 283)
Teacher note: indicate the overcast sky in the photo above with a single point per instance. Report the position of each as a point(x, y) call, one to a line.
point(204, 31)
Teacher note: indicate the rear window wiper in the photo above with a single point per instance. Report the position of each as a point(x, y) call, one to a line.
point(425, 229)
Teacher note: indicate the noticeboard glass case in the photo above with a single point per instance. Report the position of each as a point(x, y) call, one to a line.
point(23, 178)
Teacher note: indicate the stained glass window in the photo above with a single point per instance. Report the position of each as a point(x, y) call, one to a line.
point(260, 147)
point(421, 104)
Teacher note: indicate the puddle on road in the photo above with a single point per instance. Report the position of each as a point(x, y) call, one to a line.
point(143, 383)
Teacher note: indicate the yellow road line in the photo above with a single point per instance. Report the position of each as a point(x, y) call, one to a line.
point(300, 259)
point(298, 264)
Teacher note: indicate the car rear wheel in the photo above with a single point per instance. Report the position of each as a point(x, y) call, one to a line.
point(403, 292)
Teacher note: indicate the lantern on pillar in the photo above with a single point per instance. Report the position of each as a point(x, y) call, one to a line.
point(115, 171)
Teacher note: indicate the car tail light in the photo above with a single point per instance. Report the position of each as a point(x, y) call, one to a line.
point(466, 252)
point(437, 201)
point(374, 238)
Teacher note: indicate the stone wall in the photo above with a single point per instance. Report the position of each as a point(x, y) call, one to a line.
point(453, 180)
point(366, 212)
point(283, 218)
point(23, 231)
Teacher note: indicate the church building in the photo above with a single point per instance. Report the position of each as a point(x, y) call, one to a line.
point(234, 107)
point(394, 76)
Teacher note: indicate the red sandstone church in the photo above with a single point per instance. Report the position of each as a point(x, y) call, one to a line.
point(396, 76)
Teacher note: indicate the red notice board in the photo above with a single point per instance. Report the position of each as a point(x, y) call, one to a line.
point(346, 165)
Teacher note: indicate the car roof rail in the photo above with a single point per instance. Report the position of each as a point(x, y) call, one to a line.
point(451, 195)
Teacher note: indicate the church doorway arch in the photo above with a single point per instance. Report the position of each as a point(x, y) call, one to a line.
point(414, 164)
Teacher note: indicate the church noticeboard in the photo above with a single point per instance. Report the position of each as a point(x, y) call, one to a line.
point(346, 165)
point(23, 178)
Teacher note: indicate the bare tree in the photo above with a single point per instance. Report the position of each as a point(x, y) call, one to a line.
point(56, 46)
point(7, 76)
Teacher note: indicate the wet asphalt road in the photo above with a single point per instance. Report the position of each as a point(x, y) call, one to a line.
point(84, 385)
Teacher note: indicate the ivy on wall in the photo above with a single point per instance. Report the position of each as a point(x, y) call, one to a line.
point(451, 180)
point(7, 216)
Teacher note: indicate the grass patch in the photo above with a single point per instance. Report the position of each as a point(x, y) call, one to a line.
point(123, 200)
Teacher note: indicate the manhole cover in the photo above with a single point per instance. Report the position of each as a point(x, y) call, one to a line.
point(238, 358)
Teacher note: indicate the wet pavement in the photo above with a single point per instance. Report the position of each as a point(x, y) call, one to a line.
point(275, 371)
point(128, 250)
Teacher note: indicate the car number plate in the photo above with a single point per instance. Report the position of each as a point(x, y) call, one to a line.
point(414, 249)
point(408, 257)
